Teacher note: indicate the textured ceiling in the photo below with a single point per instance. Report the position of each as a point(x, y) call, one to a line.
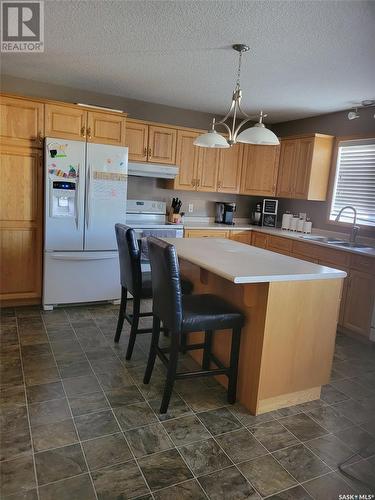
point(307, 57)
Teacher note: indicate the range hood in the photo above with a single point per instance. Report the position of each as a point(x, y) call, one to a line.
point(152, 170)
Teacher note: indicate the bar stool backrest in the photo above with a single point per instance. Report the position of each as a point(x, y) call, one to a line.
point(130, 259)
point(166, 285)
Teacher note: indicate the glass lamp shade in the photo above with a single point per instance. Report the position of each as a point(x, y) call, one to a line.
point(258, 134)
point(211, 140)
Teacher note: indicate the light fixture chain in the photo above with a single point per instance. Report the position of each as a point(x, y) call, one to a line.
point(239, 70)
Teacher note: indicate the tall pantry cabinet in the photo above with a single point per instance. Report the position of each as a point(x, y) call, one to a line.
point(21, 198)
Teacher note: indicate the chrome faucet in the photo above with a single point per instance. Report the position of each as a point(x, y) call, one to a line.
point(355, 228)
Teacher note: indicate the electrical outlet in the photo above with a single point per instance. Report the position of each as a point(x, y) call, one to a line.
point(191, 208)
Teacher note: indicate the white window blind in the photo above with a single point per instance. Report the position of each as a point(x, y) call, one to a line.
point(355, 181)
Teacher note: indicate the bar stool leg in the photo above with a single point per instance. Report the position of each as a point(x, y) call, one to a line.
point(207, 349)
point(134, 327)
point(171, 372)
point(233, 368)
point(121, 314)
point(153, 346)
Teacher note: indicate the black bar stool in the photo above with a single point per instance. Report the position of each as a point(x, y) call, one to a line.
point(183, 314)
point(136, 282)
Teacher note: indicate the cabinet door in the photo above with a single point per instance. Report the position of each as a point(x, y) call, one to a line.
point(136, 139)
point(288, 155)
point(21, 122)
point(241, 236)
point(359, 302)
point(208, 161)
point(187, 161)
point(106, 128)
point(302, 168)
point(279, 245)
point(162, 145)
point(259, 240)
point(65, 122)
point(259, 170)
point(21, 223)
point(205, 233)
point(229, 169)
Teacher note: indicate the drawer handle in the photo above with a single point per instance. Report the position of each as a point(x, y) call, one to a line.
point(89, 132)
point(145, 152)
point(83, 132)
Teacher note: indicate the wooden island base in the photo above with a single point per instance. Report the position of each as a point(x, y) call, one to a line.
point(287, 342)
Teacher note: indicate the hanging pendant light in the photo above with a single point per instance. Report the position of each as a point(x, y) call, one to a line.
point(258, 134)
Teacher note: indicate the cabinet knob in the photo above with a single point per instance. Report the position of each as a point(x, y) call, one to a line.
point(219, 184)
point(149, 152)
point(83, 132)
point(193, 182)
point(40, 138)
point(145, 152)
point(198, 182)
point(89, 132)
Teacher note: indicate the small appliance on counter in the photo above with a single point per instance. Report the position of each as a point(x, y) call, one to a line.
point(269, 212)
point(225, 213)
point(256, 215)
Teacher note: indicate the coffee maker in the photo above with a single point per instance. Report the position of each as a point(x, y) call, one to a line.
point(225, 213)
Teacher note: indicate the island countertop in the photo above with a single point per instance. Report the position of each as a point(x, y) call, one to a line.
point(241, 263)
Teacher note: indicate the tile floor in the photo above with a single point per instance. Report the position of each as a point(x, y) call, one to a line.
point(77, 423)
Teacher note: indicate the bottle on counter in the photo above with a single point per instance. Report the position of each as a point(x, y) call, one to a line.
point(293, 223)
point(307, 227)
point(300, 225)
point(286, 220)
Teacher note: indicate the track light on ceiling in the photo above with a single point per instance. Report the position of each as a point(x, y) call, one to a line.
point(257, 134)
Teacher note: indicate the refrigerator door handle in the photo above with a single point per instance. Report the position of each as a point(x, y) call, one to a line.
point(76, 199)
point(88, 181)
point(87, 256)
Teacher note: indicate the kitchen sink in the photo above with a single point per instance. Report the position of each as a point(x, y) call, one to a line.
point(313, 237)
point(350, 244)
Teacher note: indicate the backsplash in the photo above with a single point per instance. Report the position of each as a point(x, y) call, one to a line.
point(203, 203)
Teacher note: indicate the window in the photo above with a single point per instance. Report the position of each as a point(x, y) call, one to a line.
point(355, 181)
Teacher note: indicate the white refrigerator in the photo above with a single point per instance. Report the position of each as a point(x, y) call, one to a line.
point(85, 195)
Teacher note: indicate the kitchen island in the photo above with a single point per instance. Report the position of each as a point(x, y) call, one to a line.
point(291, 308)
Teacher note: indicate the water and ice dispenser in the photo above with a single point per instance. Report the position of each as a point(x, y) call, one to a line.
point(63, 199)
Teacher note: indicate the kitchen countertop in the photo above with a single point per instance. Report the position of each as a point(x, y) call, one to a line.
point(239, 226)
point(241, 263)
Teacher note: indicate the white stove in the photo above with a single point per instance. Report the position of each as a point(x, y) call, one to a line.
point(148, 218)
point(148, 214)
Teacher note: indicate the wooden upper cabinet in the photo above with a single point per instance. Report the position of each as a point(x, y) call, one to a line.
point(21, 122)
point(136, 140)
point(208, 160)
point(288, 154)
point(304, 167)
point(65, 122)
point(162, 145)
point(106, 128)
point(229, 169)
point(259, 170)
point(187, 161)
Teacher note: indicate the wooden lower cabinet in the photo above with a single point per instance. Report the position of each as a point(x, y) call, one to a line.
point(359, 302)
point(241, 236)
point(259, 240)
point(279, 245)
point(205, 233)
point(21, 200)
